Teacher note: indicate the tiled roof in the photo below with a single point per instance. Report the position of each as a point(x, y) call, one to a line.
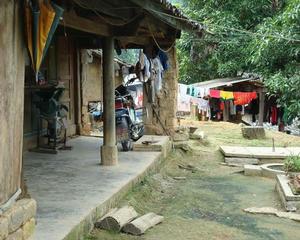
point(176, 12)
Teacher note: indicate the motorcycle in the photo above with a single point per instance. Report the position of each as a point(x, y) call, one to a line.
point(128, 127)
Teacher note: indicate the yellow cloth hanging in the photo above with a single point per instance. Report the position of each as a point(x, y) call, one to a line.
point(45, 22)
point(226, 95)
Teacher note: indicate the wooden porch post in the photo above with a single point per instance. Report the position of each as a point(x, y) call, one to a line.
point(109, 151)
point(262, 95)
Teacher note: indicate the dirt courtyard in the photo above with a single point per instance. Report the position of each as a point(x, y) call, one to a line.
point(209, 204)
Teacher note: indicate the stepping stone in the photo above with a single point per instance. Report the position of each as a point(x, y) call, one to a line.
point(252, 170)
point(253, 132)
point(153, 143)
point(240, 161)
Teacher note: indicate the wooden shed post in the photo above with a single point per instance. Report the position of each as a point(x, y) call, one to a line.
point(109, 151)
point(226, 111)
point(262, 95)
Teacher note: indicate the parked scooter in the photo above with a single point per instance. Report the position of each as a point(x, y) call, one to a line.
point(128, 127)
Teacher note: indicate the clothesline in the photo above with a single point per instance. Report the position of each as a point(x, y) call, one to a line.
point(188, 95)
point(240, 98)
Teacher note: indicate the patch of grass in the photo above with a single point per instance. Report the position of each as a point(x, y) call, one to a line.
point(292, 163)
point(209, 203)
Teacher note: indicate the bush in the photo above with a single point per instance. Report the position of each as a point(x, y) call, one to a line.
point(292, 164)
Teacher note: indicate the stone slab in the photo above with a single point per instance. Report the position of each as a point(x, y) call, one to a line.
point(241, 161)
point(160, 144)
point(73, 190)
point(28, 229)
point(283, 181)
point(290, 206)
point(252, 170)
point(253, 132)
point(197, 135)
point(259, 152)
point(17, 235)
point(289, 201)
point(3, 227)
point(273, 211)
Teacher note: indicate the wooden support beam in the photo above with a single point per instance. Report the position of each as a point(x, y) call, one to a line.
point(109, 150)
point(70, 19)
point(108, 9)
point(262, 95)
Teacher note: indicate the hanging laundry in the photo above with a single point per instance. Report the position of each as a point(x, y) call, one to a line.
point(183, 100)
point(222, 105)
point(147, 70)
point(203, 92)
point(203, 105)
point(195, 101)
point(214, 93)
point(182, 89)
point(157, 71)
point(274, 115)
point(191, 91)
point(164, 59)
point(226, 95)
point(242, 98)
point(142, 59)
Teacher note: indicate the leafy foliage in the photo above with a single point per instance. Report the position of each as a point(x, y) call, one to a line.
point(249, 36)
point(292, 163)
point(129, 56)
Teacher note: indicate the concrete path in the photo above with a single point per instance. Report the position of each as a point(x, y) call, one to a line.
point(259, 152)
point(71, 186)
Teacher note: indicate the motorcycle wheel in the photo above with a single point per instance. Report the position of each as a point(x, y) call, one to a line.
point(137, 133)
point(126, 145)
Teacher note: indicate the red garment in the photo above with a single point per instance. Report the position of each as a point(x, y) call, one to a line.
point(242, 98)
point(222, 105)
point(274, 115)
point(214, 93)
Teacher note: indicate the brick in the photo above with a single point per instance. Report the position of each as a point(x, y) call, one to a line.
point(17, 235)
point(28, 229)
point(3, 228)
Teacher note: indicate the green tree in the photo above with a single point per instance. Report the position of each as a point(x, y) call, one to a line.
point(252, 36)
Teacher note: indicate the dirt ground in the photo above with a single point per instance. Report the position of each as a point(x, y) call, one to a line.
point(209, 204)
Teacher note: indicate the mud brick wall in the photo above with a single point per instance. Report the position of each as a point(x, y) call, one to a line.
point(91, 87)
point(166, 102)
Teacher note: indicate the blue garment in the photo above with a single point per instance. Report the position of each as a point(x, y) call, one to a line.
point(164, 59)
point(96, 113)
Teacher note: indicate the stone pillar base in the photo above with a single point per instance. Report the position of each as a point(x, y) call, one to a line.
point(18, 222)
point(109, 155)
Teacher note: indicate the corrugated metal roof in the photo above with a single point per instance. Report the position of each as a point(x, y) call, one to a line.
point(222, 82)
